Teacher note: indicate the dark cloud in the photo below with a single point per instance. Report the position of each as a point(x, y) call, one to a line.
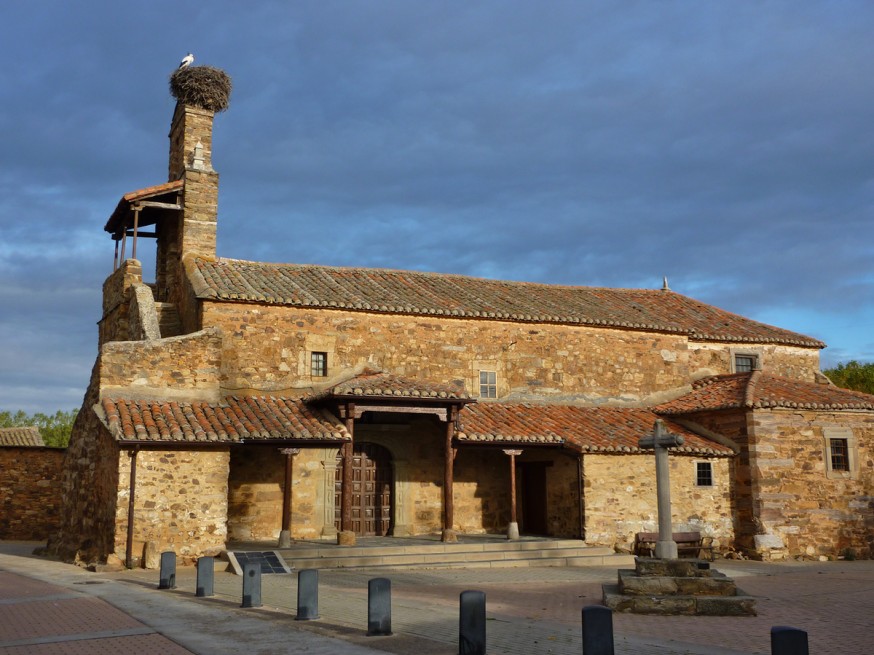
point(725, 145)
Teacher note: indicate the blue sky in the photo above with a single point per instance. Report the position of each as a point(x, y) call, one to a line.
point(726, 145)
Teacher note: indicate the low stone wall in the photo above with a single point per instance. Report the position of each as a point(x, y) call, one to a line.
point(30, 492)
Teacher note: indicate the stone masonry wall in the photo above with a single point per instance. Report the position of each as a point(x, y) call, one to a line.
point(800, 510)
point(181, 502)
point(175, 367)
point(732, 424)
point(620, 499)
point(257, 476)
point(266, 348)
point(88, 488)
point(30, 492)
point(706, 358)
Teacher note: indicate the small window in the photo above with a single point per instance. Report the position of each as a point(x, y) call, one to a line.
point(745, 363)
point(319, 365)
point(488, 384)
point(704, 474)
point(840, 454)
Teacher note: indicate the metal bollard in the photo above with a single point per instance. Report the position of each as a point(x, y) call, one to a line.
point(597, 630)
point(786, 640)
point(251, 585)
point(167, 576)
point(472, 623)
point(307, 595)
point(205, 576)
point(379, 607)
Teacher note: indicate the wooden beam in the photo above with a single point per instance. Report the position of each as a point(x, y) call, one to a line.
point(157, 205)
point(440, 412)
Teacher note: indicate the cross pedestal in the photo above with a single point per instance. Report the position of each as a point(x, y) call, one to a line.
point(660, 440)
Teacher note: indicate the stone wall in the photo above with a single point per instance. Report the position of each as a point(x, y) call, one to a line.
point(181, 502)
point(174, 367)
point(115, 322)
point(30, 492)
point(257, 477)
point(620, 499)
point(800, 510)
point(89, 487)
point(266, 349)
point(707, 358)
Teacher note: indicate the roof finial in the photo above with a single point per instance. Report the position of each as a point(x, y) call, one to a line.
point(665, 286)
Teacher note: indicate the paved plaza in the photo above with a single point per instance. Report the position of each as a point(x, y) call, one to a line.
point(55, 608)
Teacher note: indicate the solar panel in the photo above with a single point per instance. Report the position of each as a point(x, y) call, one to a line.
point(269, 560)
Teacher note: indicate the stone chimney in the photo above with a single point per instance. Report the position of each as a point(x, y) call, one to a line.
point(191, 160)
point(200, 92)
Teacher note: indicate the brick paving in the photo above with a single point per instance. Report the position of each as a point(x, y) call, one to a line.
point(38, 618)
point(530, 610)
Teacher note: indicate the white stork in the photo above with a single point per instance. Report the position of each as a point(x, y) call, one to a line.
point(186, 61)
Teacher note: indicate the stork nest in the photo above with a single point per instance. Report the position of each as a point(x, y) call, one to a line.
point(201, 86)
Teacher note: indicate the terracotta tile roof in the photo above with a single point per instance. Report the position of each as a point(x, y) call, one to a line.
point(28, 437)
point(590, 429)
point(760, 390)
point(394, 386)
point(413, 292)
point(235, 419)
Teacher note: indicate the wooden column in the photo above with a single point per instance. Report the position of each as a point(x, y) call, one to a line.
point(136, 230)
point(128, 554)
point(513, 528)
point(346, 536)
point(285, 533)
point(449, 462)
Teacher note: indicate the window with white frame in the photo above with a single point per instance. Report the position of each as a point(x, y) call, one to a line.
point(488, 384)
point(704, 474)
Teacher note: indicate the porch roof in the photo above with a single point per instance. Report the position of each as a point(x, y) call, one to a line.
point(232, 420)
point(385, 385)
point(588, 429)
point(758, 390)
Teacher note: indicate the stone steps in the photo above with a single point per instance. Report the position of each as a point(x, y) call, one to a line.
point(168, 319)
point(460, 555)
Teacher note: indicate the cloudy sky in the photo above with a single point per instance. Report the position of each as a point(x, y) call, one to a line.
point(726, 145)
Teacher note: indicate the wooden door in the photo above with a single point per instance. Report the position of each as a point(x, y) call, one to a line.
point(533, 493)
point(371, 490)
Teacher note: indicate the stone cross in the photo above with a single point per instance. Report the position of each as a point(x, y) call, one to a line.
point(660, 440)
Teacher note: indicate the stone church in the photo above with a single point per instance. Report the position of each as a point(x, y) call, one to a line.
point(239, 401)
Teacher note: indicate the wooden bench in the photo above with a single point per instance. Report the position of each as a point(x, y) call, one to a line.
point(690, 544)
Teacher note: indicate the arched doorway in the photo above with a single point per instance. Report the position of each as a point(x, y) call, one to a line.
point(371, 490)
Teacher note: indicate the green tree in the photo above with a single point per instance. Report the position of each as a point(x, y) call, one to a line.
point(54, 428)
point(853, 375)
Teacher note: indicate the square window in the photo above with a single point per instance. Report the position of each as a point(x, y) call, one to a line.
point(704, 474)
point(319, 365)
point(745, 363)
point(488, 384)
point(839, 451)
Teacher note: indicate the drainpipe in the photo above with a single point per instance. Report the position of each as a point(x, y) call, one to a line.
point(128, 555)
